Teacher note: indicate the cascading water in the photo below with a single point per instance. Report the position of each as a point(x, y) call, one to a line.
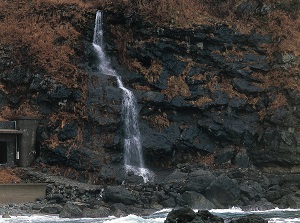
point(133, 157)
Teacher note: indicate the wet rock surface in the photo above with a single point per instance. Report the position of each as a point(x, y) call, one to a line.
point(248, 189)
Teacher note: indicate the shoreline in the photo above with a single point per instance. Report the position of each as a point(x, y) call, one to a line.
point(196, 187)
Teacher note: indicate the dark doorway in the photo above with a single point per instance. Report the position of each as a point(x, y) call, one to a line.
point(3, 152)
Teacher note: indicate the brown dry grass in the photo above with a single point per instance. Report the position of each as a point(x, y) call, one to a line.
point(280, 100)
point(152, 73)
point(38, 31)
point(9, 176)
point(173, 12)
point(159, 121)
point(43, 35)
point(201, 101)
point(208, 160)
point(177, 86)
point(281, 22)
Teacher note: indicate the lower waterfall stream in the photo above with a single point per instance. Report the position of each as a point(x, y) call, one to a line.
point(133, 156)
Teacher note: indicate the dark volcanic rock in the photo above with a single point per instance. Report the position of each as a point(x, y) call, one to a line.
point(181, 215)
point(51, 209)
point(192, 138)
point(118, 194)
point(214, 113)
point(199, 180)
point(71, 211)
point(187, 215)
point(69, 131)
point(159, 142)
point(112, 173)
point(244, 86)
point(250, 219)
point(231, 127)
point(80, 159)
point(197, 201)
point(223, 189)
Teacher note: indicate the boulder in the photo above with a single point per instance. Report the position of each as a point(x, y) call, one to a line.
point(112, 174)
point(51, 209)
point(6, 215)
point(182, 215)
point(199, 180)
point(225, 156)
point(245, 87)
point(187, 215)
point(96, 212)
point(169, 203)
point(70, 210)
point(289, 201)
point(197, 201)
point(224, 190)
point(118, 194)
point(241, 159)
point(251, 189)
point(204, 216)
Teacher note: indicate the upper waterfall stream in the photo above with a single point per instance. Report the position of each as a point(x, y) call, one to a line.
point(133, 156)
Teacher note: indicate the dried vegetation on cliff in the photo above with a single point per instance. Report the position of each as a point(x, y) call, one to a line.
point(43, 38)
point(277, 19)
point(44, 34)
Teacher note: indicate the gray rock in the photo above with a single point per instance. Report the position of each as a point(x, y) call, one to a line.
point(96, 212)
point(197, 201)
point(241, 159)
point(251, 189)
point(53, 209)
point(71, 211)
point(180, 215)
point(199, 180)
point(159, 142)
point(118, 194)
point(289, 201)
point(225, 190)
point(246, 87)
point(187, 215)
point(170, 202)
point(6, 215)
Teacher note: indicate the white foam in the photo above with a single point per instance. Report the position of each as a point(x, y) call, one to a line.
point(135, 219)
point(229, 210)
point(281, 220)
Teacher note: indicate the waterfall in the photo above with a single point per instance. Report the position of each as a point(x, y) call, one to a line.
point(133, 157)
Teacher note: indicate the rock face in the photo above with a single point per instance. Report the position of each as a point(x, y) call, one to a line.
point(202, 102)
point(200, 95)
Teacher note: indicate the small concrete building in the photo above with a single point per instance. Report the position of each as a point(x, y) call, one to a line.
point(17, 141)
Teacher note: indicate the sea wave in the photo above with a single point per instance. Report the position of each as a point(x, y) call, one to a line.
point(275, 215)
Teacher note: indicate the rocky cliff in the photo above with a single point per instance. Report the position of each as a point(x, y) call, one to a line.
point(217, 91)
point(208, 93)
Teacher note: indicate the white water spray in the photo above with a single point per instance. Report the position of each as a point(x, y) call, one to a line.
point(133, 157)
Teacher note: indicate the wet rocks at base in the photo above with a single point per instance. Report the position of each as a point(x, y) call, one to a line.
point(187, 215)
point(186, 186)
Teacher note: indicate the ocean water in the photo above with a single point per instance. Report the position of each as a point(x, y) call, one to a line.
point(273, 216)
